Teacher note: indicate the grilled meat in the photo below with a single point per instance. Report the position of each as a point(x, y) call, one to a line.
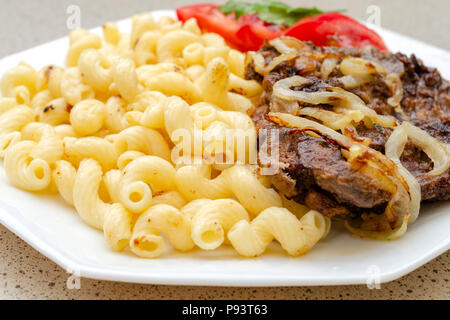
point(314, 171)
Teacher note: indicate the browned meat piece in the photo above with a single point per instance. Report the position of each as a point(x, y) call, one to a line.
point(418, 163)
point(314, 171)
point(378, 134)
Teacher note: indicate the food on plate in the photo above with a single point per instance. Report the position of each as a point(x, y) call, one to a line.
point(115, 133)
point(357, 128)
point(170, 133)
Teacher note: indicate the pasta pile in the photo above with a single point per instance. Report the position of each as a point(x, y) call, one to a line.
point(104, 133)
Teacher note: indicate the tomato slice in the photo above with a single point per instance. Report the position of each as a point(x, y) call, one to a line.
point(254, 31)
point(185, 13)
point(249, 32)
point(245, 34)
point(335, 29)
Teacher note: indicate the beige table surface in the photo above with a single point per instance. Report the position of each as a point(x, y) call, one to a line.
point(26, 274)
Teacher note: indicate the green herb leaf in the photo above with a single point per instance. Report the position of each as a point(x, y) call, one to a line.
point(269, 11)
point(275, 15)
point(238, 7)
point(276, 4)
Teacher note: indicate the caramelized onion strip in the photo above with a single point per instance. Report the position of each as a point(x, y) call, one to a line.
point(358, 71)
point(287, 44)
point(351, 82)
point(435, 150)
point(394, 148)
point(327, 67)
point(360, 67)
point(332, 119)
point(390, 235)
point(259, 62)
point(282, 89)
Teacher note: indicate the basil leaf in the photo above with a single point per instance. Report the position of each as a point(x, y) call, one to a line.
point(275, 15)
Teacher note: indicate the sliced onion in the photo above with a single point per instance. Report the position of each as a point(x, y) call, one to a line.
point(360, 67)
point(291, 121)
point(390, 235)
point(276, 61)
point(335, 96)
point(352, 101)
point(394, 83)
point(332, 119)
point(287, 45)
point(394, 148)
point(351, 82)
point(278, 105)
point(350, 131)
point(358, 71)
point(282, 89)
point(328, 118)
point(435, 150)
point(327, 67)
point(259, 63)
point(370, 168)
point(346, 120)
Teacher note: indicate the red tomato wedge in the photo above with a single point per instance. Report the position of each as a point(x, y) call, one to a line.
point(248, 32)
point(185, 13)
point(245, 34)
point(335, 29)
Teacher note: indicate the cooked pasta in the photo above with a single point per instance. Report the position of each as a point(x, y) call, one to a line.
point(161, 218)
point(143, 177)
point(73, 89)
point(88, 116)
point(19, 83)
point(194, 183)
point(7, 141)
point(55, 112)
point(117, 226)
point(86, 199)
point(115, 117)
point(211, 223)
point(295, 236)
point(64, 177)
point(78, 149)
point(49, 78)
point(15, 119)
point(24, 171)
point(147, 135)
point(49, 145)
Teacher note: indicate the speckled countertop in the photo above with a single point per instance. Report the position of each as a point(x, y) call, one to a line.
point(26, 274)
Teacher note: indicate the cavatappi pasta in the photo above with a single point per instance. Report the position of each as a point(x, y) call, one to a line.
point(134, 132)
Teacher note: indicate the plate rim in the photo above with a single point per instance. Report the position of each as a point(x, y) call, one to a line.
point(69, 265)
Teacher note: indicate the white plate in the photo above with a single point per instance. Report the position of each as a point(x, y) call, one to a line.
point(55, 230)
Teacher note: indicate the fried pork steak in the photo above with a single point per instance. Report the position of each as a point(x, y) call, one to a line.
point(314, 171)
